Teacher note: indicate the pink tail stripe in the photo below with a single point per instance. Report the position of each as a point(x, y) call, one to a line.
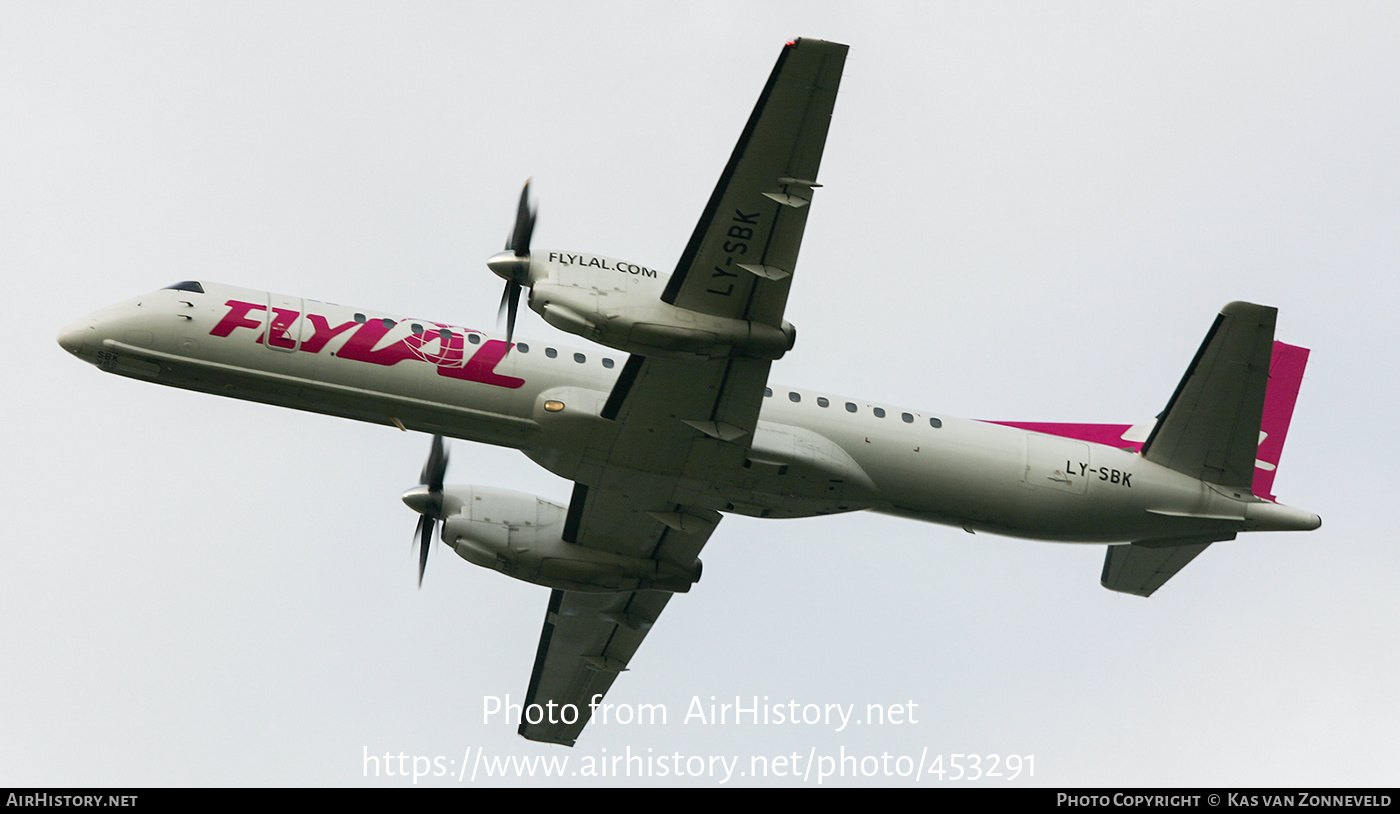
point(1285, 376)
point(1107, 434)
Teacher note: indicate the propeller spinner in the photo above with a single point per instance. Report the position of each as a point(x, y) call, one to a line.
point(426, 499)
point(513, 264)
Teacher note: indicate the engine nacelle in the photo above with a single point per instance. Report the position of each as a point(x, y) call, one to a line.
point(521, 536)
point(618, 304)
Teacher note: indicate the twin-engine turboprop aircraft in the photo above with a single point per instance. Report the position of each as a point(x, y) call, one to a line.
point(669, 420)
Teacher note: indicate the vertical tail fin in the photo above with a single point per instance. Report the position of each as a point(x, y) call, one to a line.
point(1227, 421)
point(1285, 377)
point(1210, 429)
point(1210, 420)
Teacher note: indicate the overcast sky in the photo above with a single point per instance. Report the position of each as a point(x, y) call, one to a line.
point(1030, 211)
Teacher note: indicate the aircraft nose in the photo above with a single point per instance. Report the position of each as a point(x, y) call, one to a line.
point(71, 338)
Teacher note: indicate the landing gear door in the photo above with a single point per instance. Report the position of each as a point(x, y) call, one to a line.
point(1057, 463)
point(283, 328)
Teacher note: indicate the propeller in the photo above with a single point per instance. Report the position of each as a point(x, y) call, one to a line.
point(426, 499)
point(513, 264)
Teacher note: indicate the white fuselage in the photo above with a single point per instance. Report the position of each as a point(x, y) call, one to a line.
point(813, 453)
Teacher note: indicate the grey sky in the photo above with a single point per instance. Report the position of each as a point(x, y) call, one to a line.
point(1030, 212)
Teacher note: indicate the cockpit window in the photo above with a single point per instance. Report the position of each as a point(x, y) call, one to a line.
point(188, 285)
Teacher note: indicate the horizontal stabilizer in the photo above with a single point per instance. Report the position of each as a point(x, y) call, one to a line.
point(1141, 568)
point(1210, 429)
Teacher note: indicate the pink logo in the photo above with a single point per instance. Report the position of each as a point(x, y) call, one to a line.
point(443, 347)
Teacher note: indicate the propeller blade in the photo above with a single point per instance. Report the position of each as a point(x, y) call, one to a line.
point(513, 265)
point(434, 469)
point(424, 532)
point(510, 306)
point(513, 291)
point(501, 310)
point(524, 225)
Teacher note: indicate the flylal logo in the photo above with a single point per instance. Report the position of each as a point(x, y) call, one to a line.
point(442, 347)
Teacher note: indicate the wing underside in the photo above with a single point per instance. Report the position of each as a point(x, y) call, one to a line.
point(588, 638)
point(740, 260)
point(675, 426)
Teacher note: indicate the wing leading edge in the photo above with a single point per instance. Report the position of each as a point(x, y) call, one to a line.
point(645, 483)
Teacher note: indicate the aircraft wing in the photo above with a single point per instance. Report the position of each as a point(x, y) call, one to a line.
point(588, 638)
point(674, 422)
point(740, 259)
point(648, 476)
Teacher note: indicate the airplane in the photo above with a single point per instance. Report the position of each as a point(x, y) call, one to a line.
point(669, 420)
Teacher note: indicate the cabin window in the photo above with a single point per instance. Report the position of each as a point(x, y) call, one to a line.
point(388, 323)
point(768, 392)
point(850, 406)
point(521, 346)
point(551, 353)
point(608, 363)
point(794, 397)
point(444, 334)
point(417, 329)
point(907, 417)
point(879, 412)
point(475, 339)
point(580, 358)
point(188, 285)
point(360, 318)
point(935, 423)
point(822, 401)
